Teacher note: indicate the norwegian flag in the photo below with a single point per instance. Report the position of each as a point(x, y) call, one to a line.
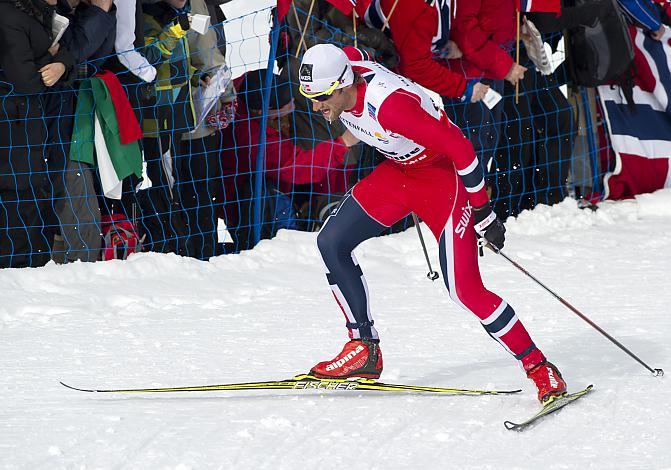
point(641, 134)
point(540, 6)
point(346, 6)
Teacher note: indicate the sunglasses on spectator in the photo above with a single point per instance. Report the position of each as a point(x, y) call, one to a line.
point(324, 95)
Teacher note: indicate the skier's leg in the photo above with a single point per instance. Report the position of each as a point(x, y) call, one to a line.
point(441, 200)
point(459, 264)
point(344, 230)
point(364, 212)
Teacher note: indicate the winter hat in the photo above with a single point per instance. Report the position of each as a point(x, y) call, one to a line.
point(324, 69)
point(254, 83)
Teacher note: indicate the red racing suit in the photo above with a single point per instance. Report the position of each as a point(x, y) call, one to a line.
point(431, 169)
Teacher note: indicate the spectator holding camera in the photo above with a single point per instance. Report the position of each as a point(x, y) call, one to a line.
point(30, 65)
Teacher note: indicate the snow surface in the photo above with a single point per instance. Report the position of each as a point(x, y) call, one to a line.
point(163, 320)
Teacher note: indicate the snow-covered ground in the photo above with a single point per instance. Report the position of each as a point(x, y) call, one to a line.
point(162, 320)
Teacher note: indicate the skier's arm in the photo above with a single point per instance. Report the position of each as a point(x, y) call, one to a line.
point(402, 114)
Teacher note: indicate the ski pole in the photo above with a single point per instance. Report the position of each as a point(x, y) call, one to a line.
point(433, 275)
point(655, 372)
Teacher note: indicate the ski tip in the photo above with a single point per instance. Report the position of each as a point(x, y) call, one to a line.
point(584, 390)
point(510, 425)
point(75, 388)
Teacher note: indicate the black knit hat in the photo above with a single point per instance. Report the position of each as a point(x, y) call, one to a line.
point(252, 87)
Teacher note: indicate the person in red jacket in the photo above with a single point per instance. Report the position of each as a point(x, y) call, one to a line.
point(420, 31)
point(286, 164)
point(430, 168)
point(470, 33)
point(484, 31)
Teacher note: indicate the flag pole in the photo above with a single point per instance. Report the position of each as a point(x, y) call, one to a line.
point(391, 12)
point(305, 28)
point(298, 24)
point(354, 17)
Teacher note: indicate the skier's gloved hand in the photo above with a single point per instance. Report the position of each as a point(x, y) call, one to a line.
point(489, 226)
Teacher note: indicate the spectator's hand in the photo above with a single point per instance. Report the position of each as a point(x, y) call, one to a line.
point(515, 74)
point(53, 50)
point(489, 226)
point(657, 35)
point(479, 92)
point(104, 5)
point(51, 73)
point(453, 51)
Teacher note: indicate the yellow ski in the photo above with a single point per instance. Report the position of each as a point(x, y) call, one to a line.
point(306, 382)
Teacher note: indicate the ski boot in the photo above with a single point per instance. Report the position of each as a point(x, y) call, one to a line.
point(359, 358)
point(548, 380)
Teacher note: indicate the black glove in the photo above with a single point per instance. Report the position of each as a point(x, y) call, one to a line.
point(488, 225)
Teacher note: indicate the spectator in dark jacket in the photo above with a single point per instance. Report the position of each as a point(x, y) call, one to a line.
point(92, 30)
point(89, 37)
point(30, 67)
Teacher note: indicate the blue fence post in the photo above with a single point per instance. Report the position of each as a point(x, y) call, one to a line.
point(593, 146)
point(260, 158)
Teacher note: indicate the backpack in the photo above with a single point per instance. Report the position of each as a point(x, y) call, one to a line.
point(120, 237)
point(601, 52)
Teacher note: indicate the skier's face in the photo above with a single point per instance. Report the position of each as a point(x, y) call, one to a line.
point(332, 107)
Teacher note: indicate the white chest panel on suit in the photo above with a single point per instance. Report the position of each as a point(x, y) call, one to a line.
point(381, 83)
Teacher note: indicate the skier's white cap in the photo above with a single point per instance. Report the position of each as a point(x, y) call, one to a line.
point(324, 69)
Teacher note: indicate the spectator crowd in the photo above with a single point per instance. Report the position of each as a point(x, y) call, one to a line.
point(123, 129)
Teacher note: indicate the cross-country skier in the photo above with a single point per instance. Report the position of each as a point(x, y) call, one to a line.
point(431, 169)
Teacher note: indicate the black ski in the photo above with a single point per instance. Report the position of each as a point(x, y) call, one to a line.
point(552, 407)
